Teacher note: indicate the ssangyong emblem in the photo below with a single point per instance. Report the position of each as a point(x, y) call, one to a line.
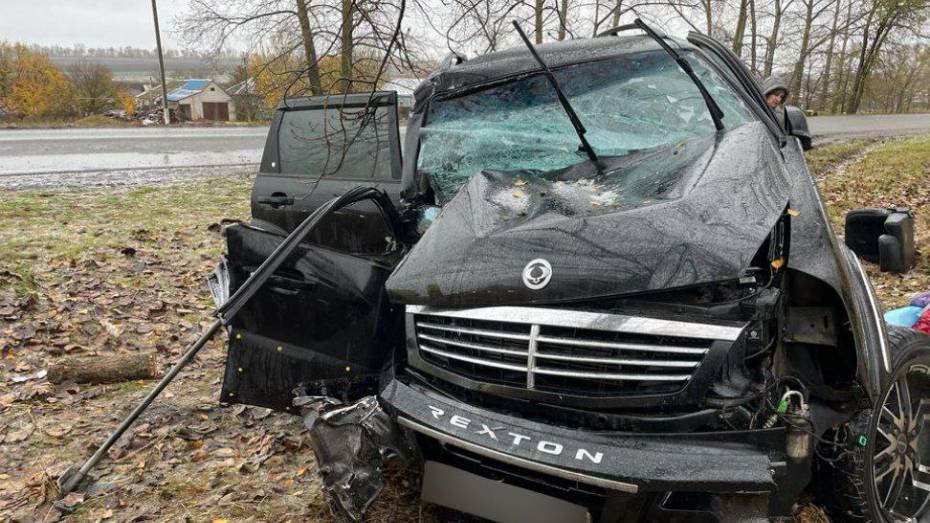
point(537, 274)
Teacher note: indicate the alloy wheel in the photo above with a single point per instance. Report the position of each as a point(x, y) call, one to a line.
point(901, 460)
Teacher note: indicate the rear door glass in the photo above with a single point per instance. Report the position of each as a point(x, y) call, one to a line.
point(315, 143)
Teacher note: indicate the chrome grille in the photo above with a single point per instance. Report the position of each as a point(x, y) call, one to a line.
point(564, 351)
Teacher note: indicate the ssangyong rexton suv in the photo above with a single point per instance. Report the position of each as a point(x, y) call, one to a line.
point(644, 317)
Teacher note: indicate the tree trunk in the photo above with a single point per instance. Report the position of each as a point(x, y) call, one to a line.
point(105, 369)
point(313, 66)
point(905, 92)
point(563, 19)
point(597, 18)
point(797, 75)
point(772, 41)
point(347, 45)
point(843, 81)
point(754, 36)
point(808, 88)
point(708, 13)
point(825, 91)
point(740, 28)
point(869, 54)
point(538, 11)
point(615, 18)
point(852, 103)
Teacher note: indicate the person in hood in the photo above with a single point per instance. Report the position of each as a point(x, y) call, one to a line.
point(776, 93)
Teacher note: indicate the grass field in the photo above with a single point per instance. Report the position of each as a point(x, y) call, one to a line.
point(102, 271)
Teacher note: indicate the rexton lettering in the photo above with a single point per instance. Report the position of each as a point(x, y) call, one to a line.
point(513, 438)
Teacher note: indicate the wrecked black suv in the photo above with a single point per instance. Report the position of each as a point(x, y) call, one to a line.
point(600, 285)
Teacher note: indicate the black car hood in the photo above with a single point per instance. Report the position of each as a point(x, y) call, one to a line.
point(691, 213)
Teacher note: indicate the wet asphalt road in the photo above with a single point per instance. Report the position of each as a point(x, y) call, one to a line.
point(118, 156)
point(867, 125)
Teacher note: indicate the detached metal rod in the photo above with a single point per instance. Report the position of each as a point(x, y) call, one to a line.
point(71, 478)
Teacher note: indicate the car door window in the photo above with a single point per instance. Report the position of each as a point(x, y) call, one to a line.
point(315, 142)
point(320, 147)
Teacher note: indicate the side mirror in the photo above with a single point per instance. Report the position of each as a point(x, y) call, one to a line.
point(796, 124)
point(883, 236)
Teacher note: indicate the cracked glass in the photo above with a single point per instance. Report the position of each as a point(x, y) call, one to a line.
point(629, 104)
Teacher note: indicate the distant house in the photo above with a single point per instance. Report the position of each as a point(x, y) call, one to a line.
point(200, 99)
point(249, 102)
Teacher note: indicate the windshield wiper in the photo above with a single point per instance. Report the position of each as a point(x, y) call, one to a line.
point(715, 112)
point(572, 115)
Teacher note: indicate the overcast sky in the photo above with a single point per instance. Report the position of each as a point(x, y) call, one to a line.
point(95, 23)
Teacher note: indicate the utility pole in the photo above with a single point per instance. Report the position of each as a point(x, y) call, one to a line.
point(161, 65)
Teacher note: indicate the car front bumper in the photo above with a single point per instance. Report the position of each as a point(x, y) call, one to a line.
point(596, 463)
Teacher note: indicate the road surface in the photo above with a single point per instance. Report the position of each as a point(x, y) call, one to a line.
point(64, 157)
point(868, 125)
point(79, 157)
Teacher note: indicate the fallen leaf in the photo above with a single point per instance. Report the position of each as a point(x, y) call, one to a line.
point(57, 431)
point(19, 435)
point(112, 329)
point(7, 399)
point(35, 376)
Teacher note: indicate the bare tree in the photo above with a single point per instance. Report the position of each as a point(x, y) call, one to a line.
point(563, 20)
point(882, 18)
point(813, 11)
point(538, 17)
point(93, 83)
point(779, 6)
point(753, 36)
point(839, 97)
point(347, 26)
point(740, 32)
point(306, 33)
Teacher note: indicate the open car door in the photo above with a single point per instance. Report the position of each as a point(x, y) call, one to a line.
point(322, 322)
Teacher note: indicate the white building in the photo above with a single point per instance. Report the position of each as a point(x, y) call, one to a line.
point(200, 99)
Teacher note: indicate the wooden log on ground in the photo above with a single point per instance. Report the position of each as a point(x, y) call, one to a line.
point(105, 369)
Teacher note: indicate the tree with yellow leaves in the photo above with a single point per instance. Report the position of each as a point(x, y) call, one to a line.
point(279, 75)
point(31, 86)
point(127, 102)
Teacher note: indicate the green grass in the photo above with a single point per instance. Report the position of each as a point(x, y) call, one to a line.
point(69, 227)
point(93, 121)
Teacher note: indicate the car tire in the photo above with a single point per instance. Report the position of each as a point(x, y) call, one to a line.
point(884, 473)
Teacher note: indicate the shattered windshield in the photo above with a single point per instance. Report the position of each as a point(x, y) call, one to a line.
point(630, 103)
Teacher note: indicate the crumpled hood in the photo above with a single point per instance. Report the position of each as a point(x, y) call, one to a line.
point(692, 213)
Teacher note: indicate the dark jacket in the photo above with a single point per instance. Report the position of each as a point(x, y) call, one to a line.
point(773, 83)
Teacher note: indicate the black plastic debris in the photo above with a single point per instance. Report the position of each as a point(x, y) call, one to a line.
point(350, 443)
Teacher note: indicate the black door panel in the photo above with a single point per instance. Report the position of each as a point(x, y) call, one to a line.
point(322, 320)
